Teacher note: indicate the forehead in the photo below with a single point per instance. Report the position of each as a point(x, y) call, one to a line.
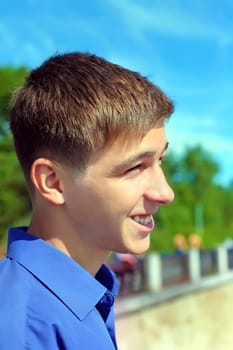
point(122, 148)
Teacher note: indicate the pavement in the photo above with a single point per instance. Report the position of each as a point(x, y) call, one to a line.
point(187, 317)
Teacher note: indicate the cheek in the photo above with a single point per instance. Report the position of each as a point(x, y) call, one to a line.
point(133, 191)
point(129, 195)
point(122, 199)
point(105, 202)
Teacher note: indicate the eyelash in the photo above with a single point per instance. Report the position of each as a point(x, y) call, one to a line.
point(138, 166)
point(143, 165)
point(161, 158)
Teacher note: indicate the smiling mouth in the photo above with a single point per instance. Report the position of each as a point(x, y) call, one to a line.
point(142, 220)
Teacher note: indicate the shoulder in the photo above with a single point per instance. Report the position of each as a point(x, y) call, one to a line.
point(38, 318)
point(24, 312)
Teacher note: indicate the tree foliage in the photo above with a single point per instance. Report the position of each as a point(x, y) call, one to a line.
point(14, 200)
point(192, 179)
point(10, 79)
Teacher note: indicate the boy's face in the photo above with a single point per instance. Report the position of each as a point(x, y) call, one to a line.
point(110, 206)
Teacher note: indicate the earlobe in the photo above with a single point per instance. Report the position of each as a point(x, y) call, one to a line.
point(45, 177)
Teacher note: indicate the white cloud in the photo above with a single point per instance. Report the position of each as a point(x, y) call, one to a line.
point(191, 19)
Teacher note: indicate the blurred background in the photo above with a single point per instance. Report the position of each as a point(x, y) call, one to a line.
point(185, 47)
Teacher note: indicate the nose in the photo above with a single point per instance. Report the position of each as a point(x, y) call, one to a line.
point(158, 189)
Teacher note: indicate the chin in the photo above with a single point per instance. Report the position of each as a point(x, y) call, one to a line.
point(139, 247)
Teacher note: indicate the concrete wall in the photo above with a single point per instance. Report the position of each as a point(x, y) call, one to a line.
point(202, 320)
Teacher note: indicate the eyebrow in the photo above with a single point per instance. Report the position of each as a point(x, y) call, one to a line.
point(137, 158)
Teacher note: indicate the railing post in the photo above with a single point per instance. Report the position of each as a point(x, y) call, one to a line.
point(137, 280)
point(194, 264)
point(153, 271)
point(222, 259)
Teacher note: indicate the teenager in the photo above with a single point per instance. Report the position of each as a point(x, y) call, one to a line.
point(90, 138)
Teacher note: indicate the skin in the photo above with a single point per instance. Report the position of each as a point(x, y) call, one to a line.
point(89, 215)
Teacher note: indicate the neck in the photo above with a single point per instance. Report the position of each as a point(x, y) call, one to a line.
point(53, 231)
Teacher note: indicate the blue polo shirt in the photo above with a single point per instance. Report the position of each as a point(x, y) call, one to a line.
point(48, 301)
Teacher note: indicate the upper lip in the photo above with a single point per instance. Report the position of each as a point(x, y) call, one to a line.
point(145, 214)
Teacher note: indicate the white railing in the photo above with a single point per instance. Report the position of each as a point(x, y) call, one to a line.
point(155, 271)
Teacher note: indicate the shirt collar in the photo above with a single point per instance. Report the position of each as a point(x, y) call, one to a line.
point(69, 281)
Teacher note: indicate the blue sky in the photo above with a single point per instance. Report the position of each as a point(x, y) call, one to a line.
point(184, 46)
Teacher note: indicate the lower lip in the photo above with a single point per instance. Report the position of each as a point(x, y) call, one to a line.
point(146, 228)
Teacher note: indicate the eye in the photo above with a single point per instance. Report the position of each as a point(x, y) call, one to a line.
point(135, 168)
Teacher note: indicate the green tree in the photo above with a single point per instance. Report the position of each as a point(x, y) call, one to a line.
point(14, 200)
point(198, 170)
point(192, 179)
point(10, 79)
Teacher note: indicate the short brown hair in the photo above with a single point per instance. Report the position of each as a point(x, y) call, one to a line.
point(75, 103)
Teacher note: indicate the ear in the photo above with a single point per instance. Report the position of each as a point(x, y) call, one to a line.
point(46, 179)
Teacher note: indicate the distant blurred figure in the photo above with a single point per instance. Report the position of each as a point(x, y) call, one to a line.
point(123, 263)
point(125, 267)
point(195, 241)
point(180, 243)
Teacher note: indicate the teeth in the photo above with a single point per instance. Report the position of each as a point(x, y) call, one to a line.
point(143, 221)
